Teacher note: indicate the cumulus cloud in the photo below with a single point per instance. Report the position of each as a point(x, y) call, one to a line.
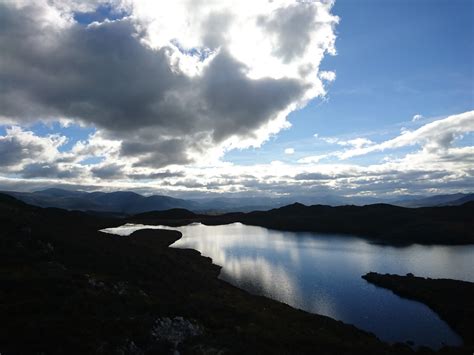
point(289, 151)
point(170, 82)
point(18, 146)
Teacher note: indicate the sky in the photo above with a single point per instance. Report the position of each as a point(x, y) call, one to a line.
point(238, 98)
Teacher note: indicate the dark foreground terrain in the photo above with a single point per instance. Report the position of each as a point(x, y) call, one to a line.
point(383, 223)
point(453, 300)
point(68, 289)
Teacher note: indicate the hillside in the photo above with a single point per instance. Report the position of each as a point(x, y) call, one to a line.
point(125, 202)
point(67, 288)
point(380, 222)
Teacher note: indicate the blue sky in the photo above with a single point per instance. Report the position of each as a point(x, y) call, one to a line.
point(396, 59)
point(360, 97)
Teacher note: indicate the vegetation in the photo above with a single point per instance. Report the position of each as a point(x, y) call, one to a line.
point(69, 289)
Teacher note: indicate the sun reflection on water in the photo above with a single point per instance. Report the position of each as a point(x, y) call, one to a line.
point(322, 274)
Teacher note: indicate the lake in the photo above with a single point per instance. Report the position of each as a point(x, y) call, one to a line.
point(321, 273)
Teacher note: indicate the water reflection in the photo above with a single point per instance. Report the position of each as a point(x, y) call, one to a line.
point(322, 274)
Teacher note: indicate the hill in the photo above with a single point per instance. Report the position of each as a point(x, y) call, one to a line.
point(124, 202)
point(69, 289)
point(381, 222)
point(437, 200)
point(121, 203)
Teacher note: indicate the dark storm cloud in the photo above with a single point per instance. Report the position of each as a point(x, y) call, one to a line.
point(13, 150)
point(42, 170)
point(103, 75)
point(109, 171)
point(159, 175)
point(156, 154)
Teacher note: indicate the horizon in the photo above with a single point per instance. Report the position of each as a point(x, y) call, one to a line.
point(238, 99)
point(283, 200)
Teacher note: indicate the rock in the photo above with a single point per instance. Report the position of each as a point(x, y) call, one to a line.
point(174, 330)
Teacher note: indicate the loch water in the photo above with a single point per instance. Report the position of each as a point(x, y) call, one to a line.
point(321, 273)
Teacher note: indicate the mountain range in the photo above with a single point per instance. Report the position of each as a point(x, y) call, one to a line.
point(128, 203)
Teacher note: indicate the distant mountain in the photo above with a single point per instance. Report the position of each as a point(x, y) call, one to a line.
point(128, 203)
point(248, 204)
point(437, 200)
point(460, 201)
point(124, 202)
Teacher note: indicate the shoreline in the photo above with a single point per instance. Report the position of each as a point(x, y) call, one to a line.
point(452, 300)
point(382, 224)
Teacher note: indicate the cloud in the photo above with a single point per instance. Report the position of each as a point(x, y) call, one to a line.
point(156, 175)
point(313, 176)
point(51, 170)
point(313, 159)
point(290, 29)
point(417, 117)
point(169, 87)
point(171, 83)
point(289, 151)
point(18, 146)
point(327, 75)
point(421, 169)
point(435, 136)
point(108, 171)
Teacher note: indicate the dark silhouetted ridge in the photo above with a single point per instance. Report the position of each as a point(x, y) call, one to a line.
point(175, 213)
point(382, 222)
point(453, 300)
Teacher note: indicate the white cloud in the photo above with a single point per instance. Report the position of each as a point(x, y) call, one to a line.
point(356, 143)
point(330, 140)
point(19, 146)
point(289, 151)
point(327, 75)
point(434, 136)
point(417, 117)
point(313, 159)
point(437, 164)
